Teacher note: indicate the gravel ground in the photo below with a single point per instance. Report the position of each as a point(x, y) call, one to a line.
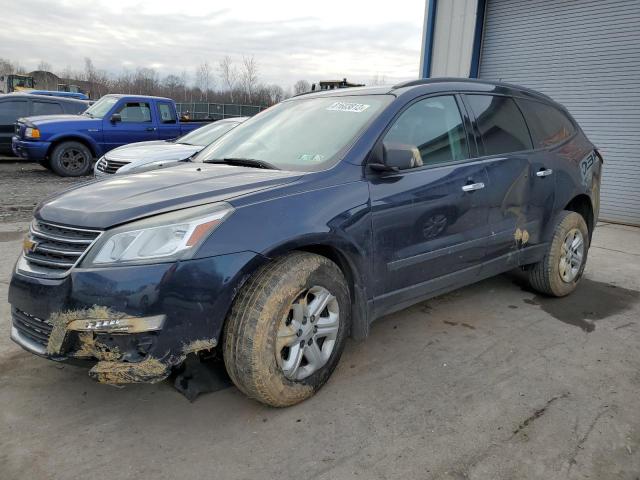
point(24, 184)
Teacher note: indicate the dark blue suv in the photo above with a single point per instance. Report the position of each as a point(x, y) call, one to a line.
point(302, 226)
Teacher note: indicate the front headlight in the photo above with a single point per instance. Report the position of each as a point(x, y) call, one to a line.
point(31, 132)
point(166, 237)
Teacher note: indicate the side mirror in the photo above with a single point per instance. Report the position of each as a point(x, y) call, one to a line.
point(116, 117)
point(396, 157)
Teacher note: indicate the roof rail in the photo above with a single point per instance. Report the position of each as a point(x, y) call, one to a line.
point(412, 83)
point(426, 81)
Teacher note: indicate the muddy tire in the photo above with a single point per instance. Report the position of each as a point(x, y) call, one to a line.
point(560, 271)
point(71, 159)
point(264, 329)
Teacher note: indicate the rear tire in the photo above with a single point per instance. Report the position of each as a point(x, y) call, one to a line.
point(263, 333)
point(561, 269)
point(71, 159)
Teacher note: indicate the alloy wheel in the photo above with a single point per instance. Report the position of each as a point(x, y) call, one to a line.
point(572, 255)
point(307, 335)
point(73, 159)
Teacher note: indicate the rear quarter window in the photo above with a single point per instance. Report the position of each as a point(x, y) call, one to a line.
point(45, 108)
point(501, 125)
point(74, 108)
point(548, 124)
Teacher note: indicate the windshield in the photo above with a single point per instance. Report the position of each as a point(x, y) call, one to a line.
point(101, 107)
point(203, 136)
point(305, 134)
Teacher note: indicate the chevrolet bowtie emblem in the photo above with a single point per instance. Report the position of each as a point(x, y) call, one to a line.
point(29, 246)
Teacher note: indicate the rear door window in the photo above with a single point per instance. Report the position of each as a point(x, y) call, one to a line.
point(11, 110)
point(166, 113)
point(45, 108)
point(549, 125)
point(135, 112)
point(433, 127)
point(501, 125)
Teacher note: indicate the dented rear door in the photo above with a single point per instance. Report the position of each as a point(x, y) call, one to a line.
point(506, 146)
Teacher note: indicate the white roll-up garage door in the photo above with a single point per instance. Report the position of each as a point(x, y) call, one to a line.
point(586, 55)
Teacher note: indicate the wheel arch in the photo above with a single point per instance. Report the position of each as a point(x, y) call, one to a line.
point(343, 257)
point(582, 205)
point(72, 138)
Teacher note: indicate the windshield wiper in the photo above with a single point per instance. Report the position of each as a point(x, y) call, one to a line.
point(88, 114)
point(244, 162)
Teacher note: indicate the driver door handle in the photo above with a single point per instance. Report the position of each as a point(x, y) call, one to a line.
point(545, 172)
point(472, 187)
point(151, 129)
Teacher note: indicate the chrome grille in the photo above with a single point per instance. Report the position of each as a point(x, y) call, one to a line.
point(52, 250)
point(109, 166)
point(33, 328)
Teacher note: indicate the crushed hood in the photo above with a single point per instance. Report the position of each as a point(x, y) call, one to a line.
point(120, 199)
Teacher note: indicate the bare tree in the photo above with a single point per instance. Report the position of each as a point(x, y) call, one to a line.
point(378, 80)
point(89, 69)
point(249, 77)
point(89, 75)
point(301, 86)
point(145, 81)
point(204, 80)
point(6, 66)
point(184, 80)
point(238, 84)
point(67, 73)
point(276, 93)
point(172, 86)
point(228, 74)
point(44, 66)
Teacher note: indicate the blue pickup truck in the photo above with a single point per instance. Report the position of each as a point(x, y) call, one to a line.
point(68, 144)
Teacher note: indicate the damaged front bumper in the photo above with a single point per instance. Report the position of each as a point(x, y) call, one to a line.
point(136, 322)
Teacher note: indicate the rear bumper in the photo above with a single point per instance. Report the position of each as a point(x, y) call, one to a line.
point(138, 322)
point(29, 150)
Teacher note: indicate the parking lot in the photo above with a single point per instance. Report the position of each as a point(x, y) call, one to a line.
point(488, 382)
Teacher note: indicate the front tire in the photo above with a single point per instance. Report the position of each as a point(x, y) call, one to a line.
point(71, 159)
point(287, 329)
point(561, 269)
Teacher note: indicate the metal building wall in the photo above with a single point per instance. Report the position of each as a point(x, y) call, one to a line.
point(453, 38)
point(586, 55)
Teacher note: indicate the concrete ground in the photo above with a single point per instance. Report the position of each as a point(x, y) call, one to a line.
point(489, 382)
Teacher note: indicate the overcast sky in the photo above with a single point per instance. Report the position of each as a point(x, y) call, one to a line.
point(291, 40)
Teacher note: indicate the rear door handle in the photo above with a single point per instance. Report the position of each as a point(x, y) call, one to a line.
point(545, 172)
point(472, 186)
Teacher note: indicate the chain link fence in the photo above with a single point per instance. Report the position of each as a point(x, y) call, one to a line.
point(216, 111)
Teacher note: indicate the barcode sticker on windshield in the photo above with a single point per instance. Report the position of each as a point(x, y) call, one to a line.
point(348, 107)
